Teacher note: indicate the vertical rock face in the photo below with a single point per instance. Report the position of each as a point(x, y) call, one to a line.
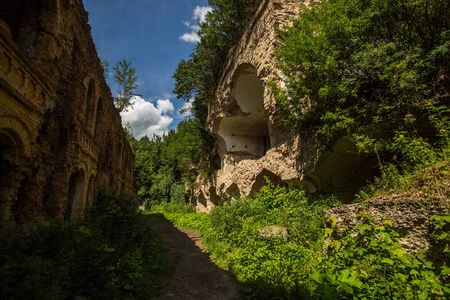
point(250, 142)
point(61, 137)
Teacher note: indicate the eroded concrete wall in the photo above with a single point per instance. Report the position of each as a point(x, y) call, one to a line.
point(61, 137)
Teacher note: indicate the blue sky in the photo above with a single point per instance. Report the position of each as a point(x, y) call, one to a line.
point(154, 35)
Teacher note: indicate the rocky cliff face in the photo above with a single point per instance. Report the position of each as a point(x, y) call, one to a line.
point(250, 141)
point(61, 137)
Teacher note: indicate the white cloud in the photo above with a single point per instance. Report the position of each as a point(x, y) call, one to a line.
point(199, 15)
point(186, 110)
point(164, 106)
point(190, 37)
point(147, 119)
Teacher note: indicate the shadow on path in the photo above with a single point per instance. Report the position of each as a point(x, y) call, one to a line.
point(195, 276)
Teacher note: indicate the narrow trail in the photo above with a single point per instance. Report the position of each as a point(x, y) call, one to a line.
point(195, 277)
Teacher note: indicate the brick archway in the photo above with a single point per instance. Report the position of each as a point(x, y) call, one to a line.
point(14, 153)
point(76, 203)
point(18, 131)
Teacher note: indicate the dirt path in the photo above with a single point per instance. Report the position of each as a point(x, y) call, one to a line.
point(196, 276)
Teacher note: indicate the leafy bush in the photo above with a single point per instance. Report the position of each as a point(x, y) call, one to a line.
point(429, 182)
point(270, 267)
point(359, 262)
point(114, 255)
point(367, 262)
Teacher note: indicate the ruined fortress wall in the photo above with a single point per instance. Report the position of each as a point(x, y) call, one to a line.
point(250, 142)
point(251, 146)
point(61, 137)
point(243, 117)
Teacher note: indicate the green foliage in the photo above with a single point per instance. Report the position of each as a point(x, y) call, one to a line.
point(196, 79)
point(269, 267)
point(114, 255)
point(105, 65)
point(363, 261)
point(182, 215)
point(125, 76)
point(367, 262)
point(442, 238)
point(430, 182)
point(374, 69)
point(162, 164)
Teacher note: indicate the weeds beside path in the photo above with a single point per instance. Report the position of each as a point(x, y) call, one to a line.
point(195, 275)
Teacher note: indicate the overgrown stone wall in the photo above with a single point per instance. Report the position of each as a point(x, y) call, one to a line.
point(61, 137)
point(242, 116)
point(410, 217)
point(251, 142)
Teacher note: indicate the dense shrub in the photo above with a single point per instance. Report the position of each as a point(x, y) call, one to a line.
point(314, 262)
point(366, 261)
point(114, 255)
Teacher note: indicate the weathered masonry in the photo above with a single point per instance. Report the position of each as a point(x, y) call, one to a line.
point(61, 138)
point(245, 121)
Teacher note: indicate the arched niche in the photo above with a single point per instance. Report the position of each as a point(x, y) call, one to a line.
point(248, 88)
point(261, 180)
point(11, 147)
point(343, 170)
point(76, 195)
point(12, 126)
point(13, 163)
point(246, 134)
point(90, 112)
point(98, 116)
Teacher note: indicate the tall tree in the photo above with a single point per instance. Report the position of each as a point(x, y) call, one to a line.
point(197, 78)
point(164, 164)
point(375, 69)
point(126, 78)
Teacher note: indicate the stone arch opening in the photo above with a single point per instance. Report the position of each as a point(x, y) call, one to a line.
point(343, 170)
point(246, 134)
point(11, 147)
point(233, 191)
point(261, 180)
point(90, 112)
point(97, 116)
point(202, 199)
point(214, 197)
point(76, 197)
point(12, 165)
point(248, 88)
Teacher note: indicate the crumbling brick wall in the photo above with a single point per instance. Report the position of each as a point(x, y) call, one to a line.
point(61, 137)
